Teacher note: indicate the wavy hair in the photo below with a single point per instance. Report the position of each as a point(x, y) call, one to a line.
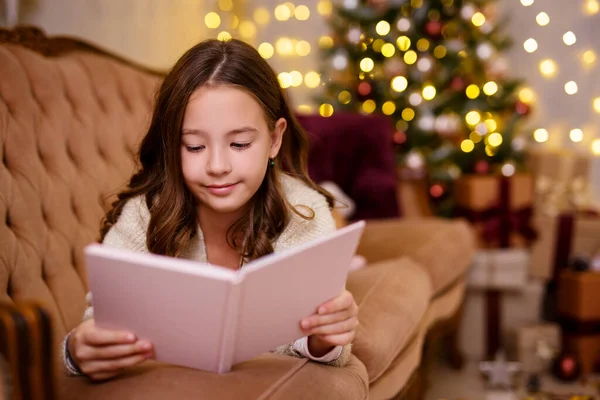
point(173, 208)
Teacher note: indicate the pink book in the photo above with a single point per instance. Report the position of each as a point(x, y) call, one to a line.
point(210, 317)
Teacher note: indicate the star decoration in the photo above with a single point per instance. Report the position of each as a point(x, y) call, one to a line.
point(499, 371)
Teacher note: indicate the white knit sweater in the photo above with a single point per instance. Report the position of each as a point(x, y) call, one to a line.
point(129, 233)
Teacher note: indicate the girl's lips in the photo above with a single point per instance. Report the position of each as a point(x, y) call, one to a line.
point(221, 190)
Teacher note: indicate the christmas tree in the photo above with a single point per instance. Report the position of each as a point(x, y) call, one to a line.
point(436, 67)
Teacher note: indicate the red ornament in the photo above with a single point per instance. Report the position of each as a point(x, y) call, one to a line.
point(364, 88)
point(436, 190)
point(458, 84)
point(522, 108)
point(399, 137)
point(381, 4)
point(433, 29)
point(482, 167)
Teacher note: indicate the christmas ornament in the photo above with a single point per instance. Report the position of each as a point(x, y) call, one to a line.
point(458, 84)
point(436, 190)
point(381, 5)
point(399, 137)
point(434, 29)
point(522, 108)
point(482, 167)
point(500, 372)
point(566, 367)
point(364, 90)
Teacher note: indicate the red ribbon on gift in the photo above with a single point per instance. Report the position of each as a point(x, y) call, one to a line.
point(500, 220)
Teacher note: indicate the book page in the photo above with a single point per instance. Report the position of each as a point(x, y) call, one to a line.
point(178, 305)
point(279, 290)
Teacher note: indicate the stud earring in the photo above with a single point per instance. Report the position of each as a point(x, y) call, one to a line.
point(271, 162)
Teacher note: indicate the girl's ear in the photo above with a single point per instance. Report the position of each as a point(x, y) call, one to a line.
point(277, 137)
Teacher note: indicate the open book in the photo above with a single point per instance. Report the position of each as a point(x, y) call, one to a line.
point(209, 317)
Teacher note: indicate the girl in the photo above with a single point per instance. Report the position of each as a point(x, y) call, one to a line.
point(211, 187)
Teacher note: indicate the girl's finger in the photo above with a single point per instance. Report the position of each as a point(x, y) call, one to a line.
point(116, 351)
point(318, 320)
point(103, 337)
point(110, 366)
point(339, 339)
point(342, 302)
point(348, 325)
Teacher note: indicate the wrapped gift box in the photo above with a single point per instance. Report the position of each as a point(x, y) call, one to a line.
point(537, 345)
point(504, 269)
point(579, 295)
point(499, 207)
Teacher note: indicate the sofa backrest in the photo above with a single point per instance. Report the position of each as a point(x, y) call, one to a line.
point(70, 121)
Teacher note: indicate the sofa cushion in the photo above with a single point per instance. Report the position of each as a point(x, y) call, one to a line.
point(267, 377)
point(443, 247)
point(392, 297)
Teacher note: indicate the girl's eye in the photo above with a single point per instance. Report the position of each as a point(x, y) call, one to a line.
point(240, 146)
point(194, 149)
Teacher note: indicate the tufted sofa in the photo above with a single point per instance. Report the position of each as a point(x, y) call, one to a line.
point(71, 117)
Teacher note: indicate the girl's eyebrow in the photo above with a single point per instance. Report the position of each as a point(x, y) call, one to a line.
point(231, 132)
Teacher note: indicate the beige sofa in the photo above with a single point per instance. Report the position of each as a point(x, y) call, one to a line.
point(71, 117)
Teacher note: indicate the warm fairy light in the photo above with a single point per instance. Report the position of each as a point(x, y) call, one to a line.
point(542, 19)
point(369, 106)
point(415, 99)
point(225, 5)
point(540, 135)
point(429, 92)
point(473, 117)
point(478, 19)
point(596, 104)
point(440, 51)
point(247, 29)
point(467, 145)
point(527, 3)
point(548, 67)
point(591, 7)
point(296, 78)
point(576, 135)
point(491, 124)
point(596, 147)
point(408, 114)
point(475, 137)
point(325, 42)
point(305, 108)
point(571, 87)
point(399, 83)
point(569, 38)
point(382, 28)
point(410, 57)
point(490, 151)
point(526, 95)
point(325, 7)
point(261, 16)
point(508, 169)
point(326, 110)
point(377, 45)
point(472, 91)
point(367, 64)
point(403, 24)
point(490, 88)
point(302, 13)
point(302, 48)
point(388, 108)
point(224, 36)
point(285, 80)
point(589, 57)
point(312, 79)
point(403, 43)
point(282, 12)
point(235, 22)
point(345, 97)
point(530, 45)
point(212, 20)
point(284, 46)
point(494, 139)
point(388, 50)
point(423, 44)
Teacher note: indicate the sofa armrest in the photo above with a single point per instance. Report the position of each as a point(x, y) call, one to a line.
point(444, 248)
point(26, 349)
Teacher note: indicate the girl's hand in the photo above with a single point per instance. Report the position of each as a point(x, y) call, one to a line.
point(102, 354)
point(334, 324)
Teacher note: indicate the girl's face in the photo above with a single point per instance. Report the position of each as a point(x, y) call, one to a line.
point(226, 146)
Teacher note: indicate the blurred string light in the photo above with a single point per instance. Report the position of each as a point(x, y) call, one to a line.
point(527, 3)
point(576, 135)
point(548, 67)
point(571, 87)
point(569, 38)
point(591, 7)
point(540, 135)
point(530, 45)
point(542, 19)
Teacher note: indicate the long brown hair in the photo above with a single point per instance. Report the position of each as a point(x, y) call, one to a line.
point(173, 208)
